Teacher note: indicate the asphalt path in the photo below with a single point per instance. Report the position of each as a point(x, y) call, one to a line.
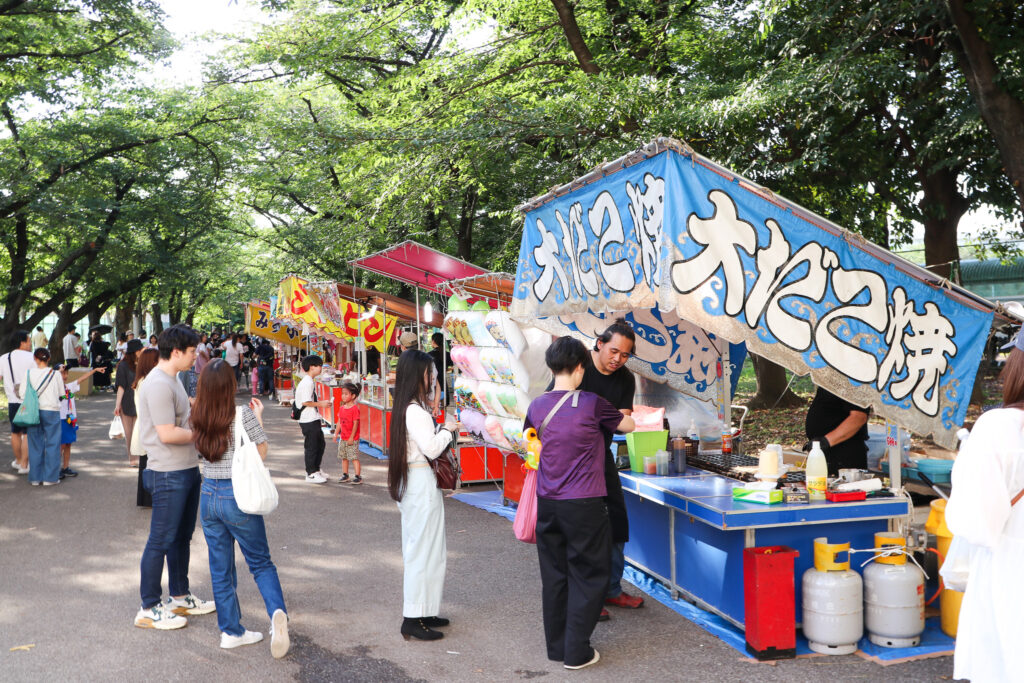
point(69, 575)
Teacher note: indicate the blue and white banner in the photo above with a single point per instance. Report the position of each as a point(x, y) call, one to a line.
point(677, 241)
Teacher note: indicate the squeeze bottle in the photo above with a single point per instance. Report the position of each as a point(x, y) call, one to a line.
point(692, 434)
point(816, 473)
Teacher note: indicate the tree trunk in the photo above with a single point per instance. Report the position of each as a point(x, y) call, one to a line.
point(943, 206)
point(1003, 113)
point(60, 331)
point(123, 314)
point(772, 386)
point(465, 236)
point(158, 321)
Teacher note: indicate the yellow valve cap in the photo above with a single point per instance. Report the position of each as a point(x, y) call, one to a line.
point(889, 539)
point(825, 555)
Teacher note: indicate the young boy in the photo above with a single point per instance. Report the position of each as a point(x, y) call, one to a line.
point(347, 432)
point(309, 419)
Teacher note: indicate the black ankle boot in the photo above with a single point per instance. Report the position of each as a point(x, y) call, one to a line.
point(417, 628)
point(434, 622)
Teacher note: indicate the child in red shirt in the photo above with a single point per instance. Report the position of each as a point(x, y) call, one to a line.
point(346, 433)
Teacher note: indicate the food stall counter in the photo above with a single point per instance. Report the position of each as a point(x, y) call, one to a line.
point(688, 532)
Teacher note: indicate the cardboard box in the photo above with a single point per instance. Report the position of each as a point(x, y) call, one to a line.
point(86, 384)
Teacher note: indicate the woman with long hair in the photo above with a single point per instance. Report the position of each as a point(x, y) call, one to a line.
point(44, 438)
point(124, 405)
point(145, 361)
point(213, 425)
point(413, 442)
point(986, 509)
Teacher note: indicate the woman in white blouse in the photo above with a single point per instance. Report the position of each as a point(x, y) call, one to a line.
point(986, 510)
point(411, 482)
point(44, 438)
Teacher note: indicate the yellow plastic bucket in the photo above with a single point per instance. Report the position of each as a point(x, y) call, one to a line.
point(950, 600)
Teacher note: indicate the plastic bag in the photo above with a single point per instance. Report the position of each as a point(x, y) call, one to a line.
point(648, 419)
point(116, 430)
point(956, 567)
point(525, 524)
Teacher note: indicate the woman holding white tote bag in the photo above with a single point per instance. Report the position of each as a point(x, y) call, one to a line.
point(213, 421)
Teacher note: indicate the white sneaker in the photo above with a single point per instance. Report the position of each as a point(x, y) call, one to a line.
point(190, 604)
point(160, 618)
point(593, 660)
point(315, 478)
point(228, 641)
point(18, 468)
point(279, 641)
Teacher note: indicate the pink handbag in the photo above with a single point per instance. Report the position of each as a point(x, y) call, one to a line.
point(525, 524)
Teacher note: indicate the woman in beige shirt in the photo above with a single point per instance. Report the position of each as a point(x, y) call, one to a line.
point(44, 437)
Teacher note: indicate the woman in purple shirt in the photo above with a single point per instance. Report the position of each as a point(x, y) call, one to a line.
point(573, 533)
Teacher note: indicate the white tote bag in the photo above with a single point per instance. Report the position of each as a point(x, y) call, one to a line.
point(255, 492)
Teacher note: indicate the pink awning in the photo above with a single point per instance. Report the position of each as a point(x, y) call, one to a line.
point(417, 265)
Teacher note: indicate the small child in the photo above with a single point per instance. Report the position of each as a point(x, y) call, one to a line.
point(347, 432)
point(69, 418)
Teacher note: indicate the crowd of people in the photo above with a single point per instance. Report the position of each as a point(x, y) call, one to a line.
point(177, 403)
point(165, 427)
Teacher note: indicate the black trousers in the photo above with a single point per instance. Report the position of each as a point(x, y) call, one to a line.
point(574, 549)
point(313, 445)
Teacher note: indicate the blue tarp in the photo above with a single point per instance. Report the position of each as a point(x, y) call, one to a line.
point(933, 642)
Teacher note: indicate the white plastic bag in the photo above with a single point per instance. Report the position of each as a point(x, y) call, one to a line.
point(116, 430)
point(956, 567)
point(254, 490)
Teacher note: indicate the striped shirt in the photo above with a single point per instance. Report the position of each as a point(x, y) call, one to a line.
point(222, 468)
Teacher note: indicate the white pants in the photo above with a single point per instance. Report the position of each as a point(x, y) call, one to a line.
point(424, 550)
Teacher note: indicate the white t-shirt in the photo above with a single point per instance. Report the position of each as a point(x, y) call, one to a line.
point(38, 339)
point(67, 405)
point(20, 362)
point(121, 348)
point(305, 393)
point(70, 341)
point(52, 390)
point(232, 352)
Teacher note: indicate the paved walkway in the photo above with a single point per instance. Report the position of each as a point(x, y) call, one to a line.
point(69, 569)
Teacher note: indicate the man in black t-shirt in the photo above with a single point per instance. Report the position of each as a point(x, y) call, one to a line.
point(607, 376)
point(842, 430)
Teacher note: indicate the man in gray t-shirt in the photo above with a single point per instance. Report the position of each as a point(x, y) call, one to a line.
point(163, 401)
point(172, 478)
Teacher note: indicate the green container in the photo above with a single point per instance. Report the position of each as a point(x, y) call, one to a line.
point(641, 444)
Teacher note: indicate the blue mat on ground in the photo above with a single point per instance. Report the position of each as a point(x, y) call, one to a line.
point(372, 451)
point(933, 641)
point(491, 501)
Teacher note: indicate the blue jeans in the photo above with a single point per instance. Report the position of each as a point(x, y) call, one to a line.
point(223, 524)
point(175, 505)
point(618, 566)
point(44, 447)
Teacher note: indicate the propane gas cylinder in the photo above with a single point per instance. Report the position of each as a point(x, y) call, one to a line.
point(833, 615)
point(893, 596)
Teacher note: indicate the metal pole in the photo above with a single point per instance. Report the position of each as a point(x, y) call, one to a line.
point(419, 327)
